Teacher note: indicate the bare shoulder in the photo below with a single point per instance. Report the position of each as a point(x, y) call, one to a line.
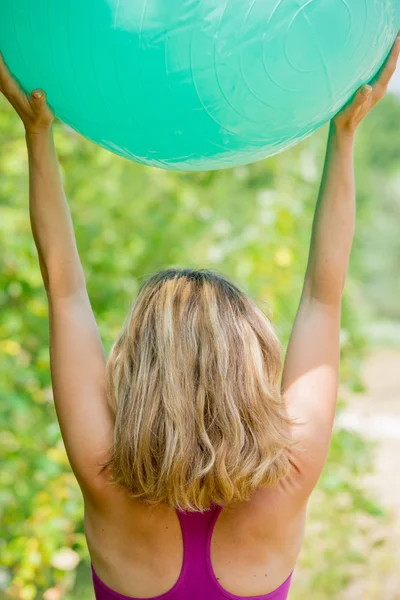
point(276, 515)
point(134, 528)
point(270, 509)
point(273, 517)
point(126, 537)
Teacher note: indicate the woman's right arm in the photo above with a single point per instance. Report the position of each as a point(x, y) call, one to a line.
point(310, 375)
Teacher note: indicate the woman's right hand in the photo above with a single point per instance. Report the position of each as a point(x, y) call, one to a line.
point(32, 108)
point(348, 119)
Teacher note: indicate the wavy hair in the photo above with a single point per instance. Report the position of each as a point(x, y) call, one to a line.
point(193, 384)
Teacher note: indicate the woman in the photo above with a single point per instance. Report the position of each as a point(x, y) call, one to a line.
point(186, 423)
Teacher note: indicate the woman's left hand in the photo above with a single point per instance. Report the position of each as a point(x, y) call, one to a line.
point(32, 108)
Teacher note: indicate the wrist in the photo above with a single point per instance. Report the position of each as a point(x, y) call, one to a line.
point(39, 141)
point(35, 134)
point(342, 136)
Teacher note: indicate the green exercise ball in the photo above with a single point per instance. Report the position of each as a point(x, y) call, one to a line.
point(196, 84)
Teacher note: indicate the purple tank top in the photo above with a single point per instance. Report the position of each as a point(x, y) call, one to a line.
point(197, 580)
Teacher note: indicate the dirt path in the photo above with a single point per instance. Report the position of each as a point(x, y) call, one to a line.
point(376, 415)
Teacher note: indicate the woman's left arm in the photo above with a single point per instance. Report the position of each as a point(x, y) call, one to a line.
point(76, 353)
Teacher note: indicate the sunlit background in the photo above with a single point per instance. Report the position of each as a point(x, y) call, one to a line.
point(253, 224)
point(396, 82)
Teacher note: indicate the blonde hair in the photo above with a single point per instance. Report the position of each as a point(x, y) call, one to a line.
point(193, 384)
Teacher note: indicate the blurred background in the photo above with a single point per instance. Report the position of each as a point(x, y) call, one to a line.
point(253, 224)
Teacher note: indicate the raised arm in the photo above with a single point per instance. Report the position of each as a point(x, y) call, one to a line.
point(76, 353)
point(310, 375)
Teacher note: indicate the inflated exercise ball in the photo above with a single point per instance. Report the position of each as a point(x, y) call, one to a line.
point(196, 84)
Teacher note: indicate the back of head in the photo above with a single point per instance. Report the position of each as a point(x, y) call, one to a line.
point(193, 383)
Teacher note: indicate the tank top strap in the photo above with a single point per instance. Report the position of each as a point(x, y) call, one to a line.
point(196, 527)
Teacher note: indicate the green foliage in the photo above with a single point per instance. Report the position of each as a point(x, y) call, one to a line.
point(376, 256)
point(252, 223)
point(340, 519)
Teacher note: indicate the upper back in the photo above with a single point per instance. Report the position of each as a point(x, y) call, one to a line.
point(244, 550)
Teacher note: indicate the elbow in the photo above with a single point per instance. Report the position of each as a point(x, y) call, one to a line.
point(327, 288)
point(65, 283)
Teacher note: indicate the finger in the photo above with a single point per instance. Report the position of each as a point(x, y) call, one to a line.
point(3, 69)
point(1, 65)
point(362, 96)
point(386, 73)
point(4, 72)
point(9, 85)
point(38, 100)
point(39, 97)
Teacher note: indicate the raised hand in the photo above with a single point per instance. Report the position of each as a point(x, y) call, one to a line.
point(32, 108)
point(347, 120)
